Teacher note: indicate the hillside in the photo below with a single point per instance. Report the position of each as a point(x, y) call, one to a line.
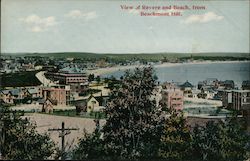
point(137, 56)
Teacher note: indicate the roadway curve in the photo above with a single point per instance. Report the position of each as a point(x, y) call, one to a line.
point(45, 82)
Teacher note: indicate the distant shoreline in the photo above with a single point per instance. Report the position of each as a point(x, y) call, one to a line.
point(103, 71)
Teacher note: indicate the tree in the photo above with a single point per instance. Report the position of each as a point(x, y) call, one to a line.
point(134, 125)
point(175, 141)
point(222, 141)
point(98, 79)
point(91, 77)
point(89, 147)
point(20, 140)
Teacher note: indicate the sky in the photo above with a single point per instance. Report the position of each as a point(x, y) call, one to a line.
point(102, 26)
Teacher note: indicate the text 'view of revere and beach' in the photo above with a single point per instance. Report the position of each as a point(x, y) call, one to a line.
point(170, 10)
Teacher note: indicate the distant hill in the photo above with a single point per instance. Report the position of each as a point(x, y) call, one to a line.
point(88, 55)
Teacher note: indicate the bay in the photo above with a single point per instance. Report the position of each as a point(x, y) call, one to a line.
point(236, 71)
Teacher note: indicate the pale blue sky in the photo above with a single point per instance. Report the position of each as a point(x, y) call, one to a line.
point(103, 27)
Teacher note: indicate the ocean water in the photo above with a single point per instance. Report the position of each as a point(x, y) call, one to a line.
point(237, 71)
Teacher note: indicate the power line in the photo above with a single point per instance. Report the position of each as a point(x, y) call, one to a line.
point(62, 133)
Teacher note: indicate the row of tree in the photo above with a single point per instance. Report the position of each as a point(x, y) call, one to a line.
point(134, 129)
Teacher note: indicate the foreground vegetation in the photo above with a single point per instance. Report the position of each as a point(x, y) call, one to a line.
point(19, 139)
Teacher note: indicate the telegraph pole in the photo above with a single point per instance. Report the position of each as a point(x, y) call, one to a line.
point(62, 133)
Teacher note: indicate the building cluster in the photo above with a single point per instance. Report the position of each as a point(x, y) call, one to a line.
point(69, 83)
point(18, 64)
point(38, 95)
point(15, 64)
point(173, 93)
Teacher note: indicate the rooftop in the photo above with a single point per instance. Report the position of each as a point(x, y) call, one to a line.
point(72, 70)
point(186, 84)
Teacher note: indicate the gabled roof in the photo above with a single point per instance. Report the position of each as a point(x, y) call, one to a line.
point(71, 70)
point(211, 79)
point(246, 83)
point(90, 97)
point(228, 82)
point(16, 91)
point(41, 100)
point(186, 84)
point(5, 91)
point(32, 90)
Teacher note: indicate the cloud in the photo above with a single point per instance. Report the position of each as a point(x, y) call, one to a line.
point(77, 14)
point(207, 17)
point(38, 24)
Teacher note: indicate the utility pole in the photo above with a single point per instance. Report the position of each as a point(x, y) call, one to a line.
point(62, 133)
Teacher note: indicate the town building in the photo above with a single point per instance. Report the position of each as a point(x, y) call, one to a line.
point(209, 82)
point(13, 96)
point(207, 92)
point(187, 88)
point(92, 104)
point(236, 99)
point(58, 95)
point(19, 94)
point(172, 98)
point(227, 84)
point(245, 85)
point(34, 92)
point(68, 75)
point(47, 105)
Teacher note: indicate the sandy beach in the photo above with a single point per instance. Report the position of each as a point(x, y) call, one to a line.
point(102, 71)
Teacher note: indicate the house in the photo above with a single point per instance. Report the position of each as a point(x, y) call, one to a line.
point(209, 82)
point(195, 93)
point(47, 105)
point(187, 89)
point(227, 84)
point(18, 94)
point(6, 96)
point(169, 85)
point(34, 92)
point(79, 87)
point(219, 94)
point(207, 92)
point(245, 85)
point(93, 103)
point(201, 84)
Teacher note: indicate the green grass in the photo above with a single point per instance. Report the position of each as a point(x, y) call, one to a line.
point(72, 113)
point(90, 91)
